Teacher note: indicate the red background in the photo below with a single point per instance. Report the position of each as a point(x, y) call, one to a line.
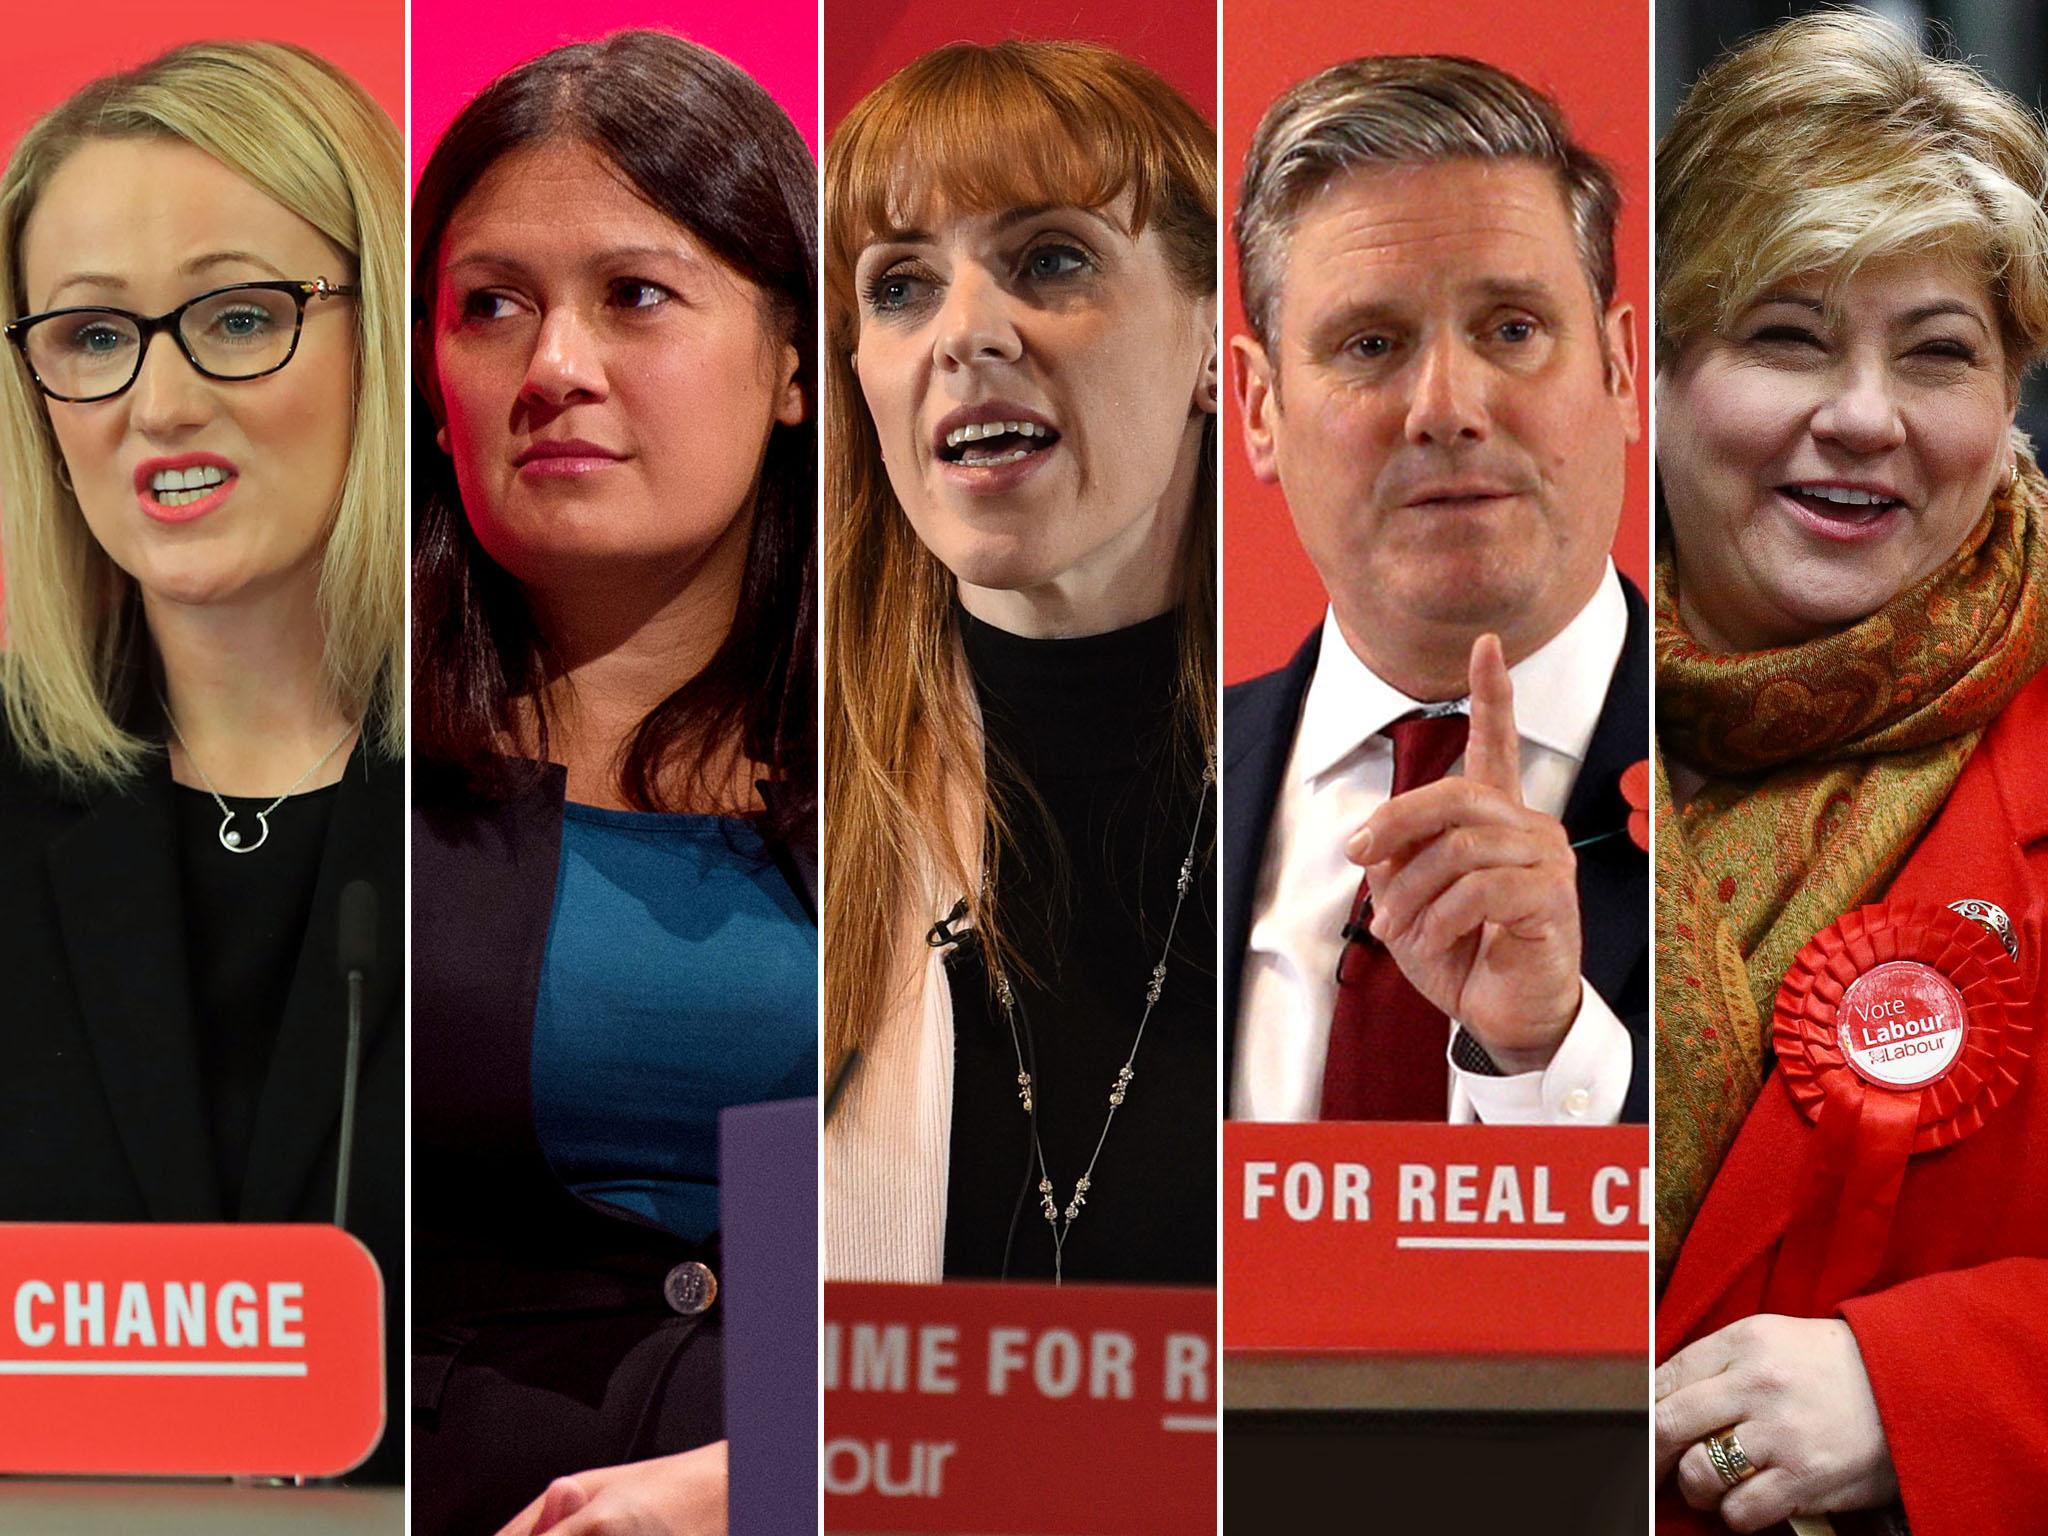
point(1595, 60)
point(50, 50)
point(866, 41)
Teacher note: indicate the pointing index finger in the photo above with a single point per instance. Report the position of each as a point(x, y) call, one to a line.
point(1493, 752)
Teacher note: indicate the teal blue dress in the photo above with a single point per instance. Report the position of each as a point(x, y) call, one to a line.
point(680, 977)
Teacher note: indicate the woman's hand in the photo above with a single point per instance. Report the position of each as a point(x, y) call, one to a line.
point(669, 1496)
point(1796, 1394)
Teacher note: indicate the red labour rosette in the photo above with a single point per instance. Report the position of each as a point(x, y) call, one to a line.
point(1899, 1029)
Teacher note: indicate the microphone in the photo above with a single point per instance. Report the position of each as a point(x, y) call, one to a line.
point(356, 957)
point(941, 935)
point(956, 941)
point(357, 951)
point(838, 1084)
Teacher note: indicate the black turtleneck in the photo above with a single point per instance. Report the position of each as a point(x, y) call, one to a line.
point(1085, 889)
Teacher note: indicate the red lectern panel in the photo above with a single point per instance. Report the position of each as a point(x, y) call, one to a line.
point(979, 1409)
point(1452, 1240)
point(188, 1350)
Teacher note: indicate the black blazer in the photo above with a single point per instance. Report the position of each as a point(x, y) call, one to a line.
point(102, 1110)
point(543, 1340)
point(1259, 721)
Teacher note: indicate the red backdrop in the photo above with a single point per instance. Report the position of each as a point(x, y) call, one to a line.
point(1595, 59)
point(50, 50)
point(866, 41)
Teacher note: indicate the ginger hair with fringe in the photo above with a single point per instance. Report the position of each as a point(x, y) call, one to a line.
point(975, 129)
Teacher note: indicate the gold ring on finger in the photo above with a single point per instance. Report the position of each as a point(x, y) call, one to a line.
point(1725, 1452)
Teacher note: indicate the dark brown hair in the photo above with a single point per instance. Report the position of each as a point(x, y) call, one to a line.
point(696, 137)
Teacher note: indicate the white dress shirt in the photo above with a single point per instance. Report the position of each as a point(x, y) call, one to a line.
point(1340, 771)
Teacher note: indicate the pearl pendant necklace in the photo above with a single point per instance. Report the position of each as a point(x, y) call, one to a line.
point(230, 838)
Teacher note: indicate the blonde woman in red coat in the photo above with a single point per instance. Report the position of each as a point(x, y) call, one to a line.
point(1852, 1137)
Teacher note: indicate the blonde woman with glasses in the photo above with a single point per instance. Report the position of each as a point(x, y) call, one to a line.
point(200, 459)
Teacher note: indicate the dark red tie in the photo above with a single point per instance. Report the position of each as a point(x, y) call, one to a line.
point(1386, 1058)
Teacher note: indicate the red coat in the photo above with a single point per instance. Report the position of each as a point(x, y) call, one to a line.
point(1954, 1330)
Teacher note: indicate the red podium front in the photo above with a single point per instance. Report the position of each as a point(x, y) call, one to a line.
point(1055, 1411)
point(188, 1350)
point(1398, 1266)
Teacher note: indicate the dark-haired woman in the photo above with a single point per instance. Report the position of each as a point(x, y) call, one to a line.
point(614, 934)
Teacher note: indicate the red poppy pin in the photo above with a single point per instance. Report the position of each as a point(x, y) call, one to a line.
point(1635, 789)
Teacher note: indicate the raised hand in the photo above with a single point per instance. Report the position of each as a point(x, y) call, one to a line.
point(1474, 894)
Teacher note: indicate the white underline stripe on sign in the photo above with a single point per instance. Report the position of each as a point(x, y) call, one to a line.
point(1532, 1244)
point(1190, 1421)
point(152, 1367)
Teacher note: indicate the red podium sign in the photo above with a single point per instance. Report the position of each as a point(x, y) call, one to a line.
point(188, 1350)
point(1464, 1240)
point(978, 1409)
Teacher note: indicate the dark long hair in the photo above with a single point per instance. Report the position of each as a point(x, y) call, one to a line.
point(705, 145)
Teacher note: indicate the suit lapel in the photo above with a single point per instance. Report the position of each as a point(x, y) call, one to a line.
point(1260, 720)
point(120, 908)
point(1613, 872)
point(1258, 736)
point(300, 1108)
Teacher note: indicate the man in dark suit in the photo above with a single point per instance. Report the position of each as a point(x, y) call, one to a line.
point(1434, 906)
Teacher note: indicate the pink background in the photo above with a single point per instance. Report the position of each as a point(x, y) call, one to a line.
point(460, 46)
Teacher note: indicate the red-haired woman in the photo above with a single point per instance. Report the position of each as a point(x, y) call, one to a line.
point(1021, 1039)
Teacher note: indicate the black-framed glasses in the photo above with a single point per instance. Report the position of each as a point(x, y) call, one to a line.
point(92, 352)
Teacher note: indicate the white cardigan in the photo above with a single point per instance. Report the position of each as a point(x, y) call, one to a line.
point(888, 1145)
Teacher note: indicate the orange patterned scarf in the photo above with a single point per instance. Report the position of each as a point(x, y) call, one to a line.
point(1824, 763)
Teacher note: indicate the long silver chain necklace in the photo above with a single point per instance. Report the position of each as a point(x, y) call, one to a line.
point(1062, 1218)
point(229, 838)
